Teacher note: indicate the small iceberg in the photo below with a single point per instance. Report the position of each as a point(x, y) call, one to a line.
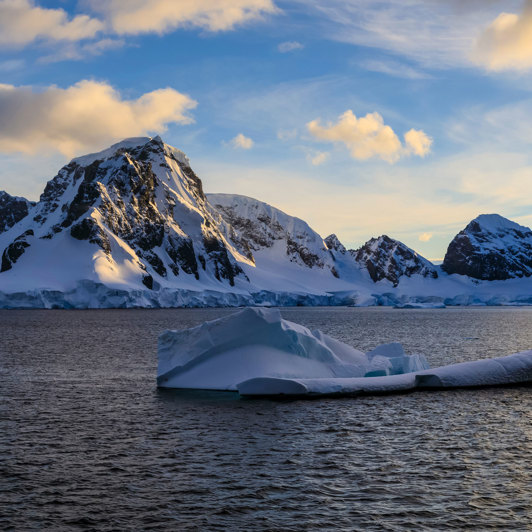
point(258, 353)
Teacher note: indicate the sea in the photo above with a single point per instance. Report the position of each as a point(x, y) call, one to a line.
point(88, 441)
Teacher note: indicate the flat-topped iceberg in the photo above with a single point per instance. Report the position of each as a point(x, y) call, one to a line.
point(257, 342)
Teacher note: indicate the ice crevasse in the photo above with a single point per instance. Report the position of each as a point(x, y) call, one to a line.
point(258, 353)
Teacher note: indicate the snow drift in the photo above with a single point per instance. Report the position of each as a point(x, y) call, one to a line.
point(257, 353)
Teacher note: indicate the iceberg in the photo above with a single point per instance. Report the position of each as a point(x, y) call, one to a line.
point(257, 342)
point(512, 369)
point(258, 353)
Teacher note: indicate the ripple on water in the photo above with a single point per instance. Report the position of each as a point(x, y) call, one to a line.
point(88, 442)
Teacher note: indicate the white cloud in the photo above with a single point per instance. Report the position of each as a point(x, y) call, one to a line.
point(289, 46)
point(425, 237)
point(85, 116)
point(317, 158)
point(162, 16)
point(368, 137)
point(417, 142)
point(507, 42)
point(22, 22)
point(242, 142)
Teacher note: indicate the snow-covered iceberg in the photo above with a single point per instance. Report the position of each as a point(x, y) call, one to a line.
point(257, 342)
point(512, 369)
point(257, 353)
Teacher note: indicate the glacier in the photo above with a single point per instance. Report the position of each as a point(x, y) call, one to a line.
point(258, 353)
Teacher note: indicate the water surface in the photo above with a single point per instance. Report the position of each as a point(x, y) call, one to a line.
point(88, 442)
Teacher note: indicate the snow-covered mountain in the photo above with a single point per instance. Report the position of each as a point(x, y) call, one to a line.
point(12, 210)
point(131, 226)
point(386, 258)
point(491, 248)
point(134, 215)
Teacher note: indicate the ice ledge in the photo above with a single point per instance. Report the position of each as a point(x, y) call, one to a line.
point(512, 369)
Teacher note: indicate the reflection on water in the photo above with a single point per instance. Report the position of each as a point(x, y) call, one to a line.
point(87, 441)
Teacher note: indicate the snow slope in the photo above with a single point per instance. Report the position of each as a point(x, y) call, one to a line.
point(132, 226)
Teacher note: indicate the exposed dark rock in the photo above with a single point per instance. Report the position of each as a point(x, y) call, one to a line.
point(147, 281)
point(12, 210)
point(88, 229)
point(334, 244)
point(224, 269)
point(490, 248)
point(308, 258)
point(386, 258)
point(14, 251)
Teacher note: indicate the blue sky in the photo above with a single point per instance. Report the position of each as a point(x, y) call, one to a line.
point(303, 104)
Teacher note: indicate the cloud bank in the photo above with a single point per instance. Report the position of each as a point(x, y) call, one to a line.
point(368, 137)
point(507, 42)
point(87, 115)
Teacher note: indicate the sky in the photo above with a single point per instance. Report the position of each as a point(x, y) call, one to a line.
point(400, 117)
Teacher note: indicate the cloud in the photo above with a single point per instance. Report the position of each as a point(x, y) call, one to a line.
point(85, 116)
point(368, 137)
point(395, 69)
point(434, 33)
point(417, 142)
point(318, 158)
point(22, 22)
point(75, 51)
point(287, 134)
point(134, 17)
point(424, 237)
point(506, 43)
point(289, 46)
point(242, 142)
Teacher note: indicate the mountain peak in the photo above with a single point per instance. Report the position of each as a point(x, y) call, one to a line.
point(493, 223)
point(155, 144)
point(490, 247)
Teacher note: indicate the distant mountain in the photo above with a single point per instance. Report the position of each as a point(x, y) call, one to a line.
point(386, 258)
point(266, 234)
point(132, 226)
point(12, 210)
point(490, 248)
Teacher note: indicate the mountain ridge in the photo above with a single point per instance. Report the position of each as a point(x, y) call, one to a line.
point(134, 219)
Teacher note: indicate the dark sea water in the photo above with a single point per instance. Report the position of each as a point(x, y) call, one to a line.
point(88, 442)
